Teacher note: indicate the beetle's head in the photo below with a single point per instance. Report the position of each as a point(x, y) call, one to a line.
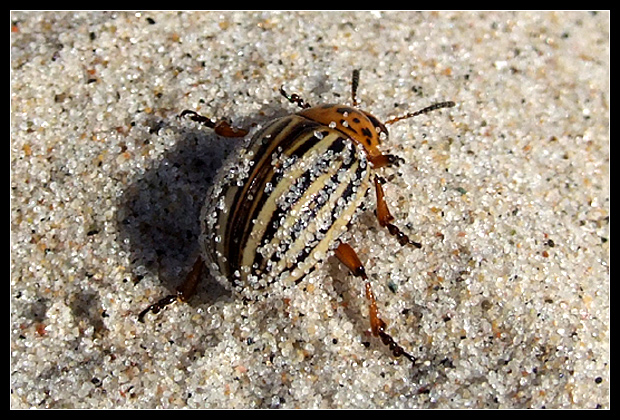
point(361, 126)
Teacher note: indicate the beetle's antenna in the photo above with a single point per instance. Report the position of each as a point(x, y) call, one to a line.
point(354, 82)
point(439, 105)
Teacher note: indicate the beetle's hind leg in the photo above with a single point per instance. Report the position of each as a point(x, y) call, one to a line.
point(348, 257)
point(221, 127)
point(386, 218)
point(184, 292)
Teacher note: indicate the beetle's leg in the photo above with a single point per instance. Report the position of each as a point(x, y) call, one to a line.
point(386, 218)
point(381, 161)
point(221, 127)
point(294, 98)
point(348, 257)
point(184, 292)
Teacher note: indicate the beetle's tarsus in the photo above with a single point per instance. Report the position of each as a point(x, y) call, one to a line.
point(385, 217)
point(348, 257)
point(184, 292)
point(157, 306)
point(294, 98)
point(221, 127)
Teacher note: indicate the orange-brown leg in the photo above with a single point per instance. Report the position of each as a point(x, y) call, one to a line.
point(348, 257)
point(221, 127)
point(381, 161)
point(294, 99)
point(184, 292)
point(386, 218)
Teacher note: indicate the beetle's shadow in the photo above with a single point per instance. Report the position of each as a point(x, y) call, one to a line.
point(158, 215)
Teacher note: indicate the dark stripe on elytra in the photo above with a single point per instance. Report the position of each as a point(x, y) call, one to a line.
point(238, 221)
point(274, 257)
point(304, 181)
point(303, 148)
point(298, 149)
point(315, 205)
point(276, 126)
point(290, 148)
point(346, 194)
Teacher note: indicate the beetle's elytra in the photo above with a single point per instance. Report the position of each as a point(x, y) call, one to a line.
point(281, 204)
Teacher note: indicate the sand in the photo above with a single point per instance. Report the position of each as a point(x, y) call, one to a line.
point(506, 305)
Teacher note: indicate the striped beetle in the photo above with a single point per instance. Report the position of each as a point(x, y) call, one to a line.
point(283, 201)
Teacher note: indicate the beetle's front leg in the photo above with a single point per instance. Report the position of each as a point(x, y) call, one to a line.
point(184, 292)
point(348, 257)
point(383, 160)
point(221, 127)
point(386, 218)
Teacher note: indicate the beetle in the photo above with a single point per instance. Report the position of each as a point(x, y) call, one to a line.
point(283, 201)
